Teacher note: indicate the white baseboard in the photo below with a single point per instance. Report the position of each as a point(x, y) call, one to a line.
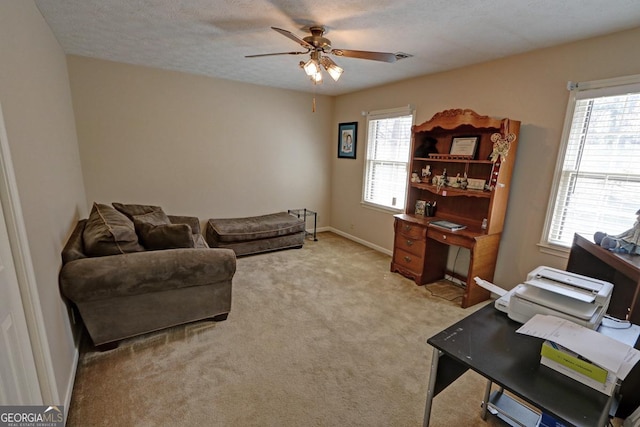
point(359, 240)
point(72, 377)
point(318, 230)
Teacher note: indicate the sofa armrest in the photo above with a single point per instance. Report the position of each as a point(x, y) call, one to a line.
point(192, 221)
point(138, 273)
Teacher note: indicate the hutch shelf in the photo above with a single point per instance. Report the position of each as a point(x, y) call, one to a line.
point(471, 189)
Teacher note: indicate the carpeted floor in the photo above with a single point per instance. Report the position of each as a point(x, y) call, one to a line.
point(320, 336)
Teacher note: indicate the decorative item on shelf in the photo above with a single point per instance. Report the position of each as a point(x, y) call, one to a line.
point(420, 207)
point(475, 184)
point(441, 181)
point(464, 181)
point(455, 183)
point(430, 209)
point(427, 147)
point(426, 171)
point(501, 145)
point(415, 178)
point(495, 171)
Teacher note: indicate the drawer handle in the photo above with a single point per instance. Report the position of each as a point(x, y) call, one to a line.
point(409, 242)
point(444, 237)
point(407, 259)
point(407, 227)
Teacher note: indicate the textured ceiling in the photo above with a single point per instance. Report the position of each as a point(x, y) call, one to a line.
point(211, 37)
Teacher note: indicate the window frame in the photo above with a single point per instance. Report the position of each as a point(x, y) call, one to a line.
point(379, 115)
point(578, 91)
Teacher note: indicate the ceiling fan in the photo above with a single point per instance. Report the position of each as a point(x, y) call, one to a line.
point(318, 47)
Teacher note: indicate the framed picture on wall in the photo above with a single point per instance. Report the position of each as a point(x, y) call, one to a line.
point(347, 138)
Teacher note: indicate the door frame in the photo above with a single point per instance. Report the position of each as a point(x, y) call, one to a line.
point(24, 271)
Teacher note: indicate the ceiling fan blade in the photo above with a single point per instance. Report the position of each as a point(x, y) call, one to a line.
point(273, 54)
point(363, 54)
point(293, 37)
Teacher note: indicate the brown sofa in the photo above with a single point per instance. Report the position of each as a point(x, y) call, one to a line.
point(135, 270)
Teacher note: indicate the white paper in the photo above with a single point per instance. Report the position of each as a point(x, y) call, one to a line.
point(604, 351)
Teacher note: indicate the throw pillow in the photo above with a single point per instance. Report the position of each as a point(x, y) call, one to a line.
point(131, 210)
point(109, 232)
point(157, 232)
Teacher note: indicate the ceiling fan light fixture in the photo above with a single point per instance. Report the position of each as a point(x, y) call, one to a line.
point(311, 67)
point(332, 68)
point(317, 46)
point(317, 78)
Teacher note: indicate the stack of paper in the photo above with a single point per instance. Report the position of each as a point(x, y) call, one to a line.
point(572, 365)
point(613, 356)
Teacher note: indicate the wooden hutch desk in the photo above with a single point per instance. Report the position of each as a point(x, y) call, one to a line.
point(421, 249)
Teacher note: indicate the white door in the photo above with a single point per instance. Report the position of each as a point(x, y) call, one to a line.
point(18, 377)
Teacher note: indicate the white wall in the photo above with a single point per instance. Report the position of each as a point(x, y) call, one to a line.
point(36, 101)
point(530, 88)
point(197, 145)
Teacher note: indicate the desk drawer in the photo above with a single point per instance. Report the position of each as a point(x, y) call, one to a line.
point(450, 238)
point(408, 244)
point(409, 261)
point(411, 230)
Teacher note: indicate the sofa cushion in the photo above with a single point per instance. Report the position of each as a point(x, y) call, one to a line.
point(131, 210)
point(109, 232)
point(194, 222)
point(156, 232)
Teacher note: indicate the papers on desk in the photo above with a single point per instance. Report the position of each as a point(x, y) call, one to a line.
point(614, 356)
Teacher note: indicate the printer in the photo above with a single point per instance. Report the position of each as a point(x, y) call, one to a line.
point(581, 299)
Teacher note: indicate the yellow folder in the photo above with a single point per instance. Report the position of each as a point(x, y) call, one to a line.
point(572, 361)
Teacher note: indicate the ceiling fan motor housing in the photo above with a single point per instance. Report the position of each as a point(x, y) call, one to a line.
point(316, 39)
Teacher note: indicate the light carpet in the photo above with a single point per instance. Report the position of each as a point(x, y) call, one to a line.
point(325, 335)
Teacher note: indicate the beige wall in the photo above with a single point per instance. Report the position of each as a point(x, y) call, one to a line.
point(197, 145)
point(36, 101)
point(530, 88)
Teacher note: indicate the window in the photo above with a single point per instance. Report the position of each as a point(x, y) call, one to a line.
point(387, 158)
point(597, 182)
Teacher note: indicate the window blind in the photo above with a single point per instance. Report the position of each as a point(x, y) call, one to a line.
point(387, 157)
point(599, 184)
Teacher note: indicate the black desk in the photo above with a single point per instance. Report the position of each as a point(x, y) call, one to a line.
point(487, 343)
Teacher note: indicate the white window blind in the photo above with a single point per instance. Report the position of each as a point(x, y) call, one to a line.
point(387, 157)
point(598, 184)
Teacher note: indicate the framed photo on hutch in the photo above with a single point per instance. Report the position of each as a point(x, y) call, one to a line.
point(347, 138)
